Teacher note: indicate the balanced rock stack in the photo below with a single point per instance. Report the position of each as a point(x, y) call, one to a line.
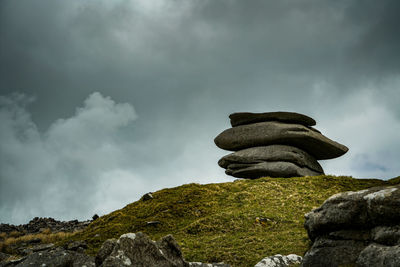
point(275, 144)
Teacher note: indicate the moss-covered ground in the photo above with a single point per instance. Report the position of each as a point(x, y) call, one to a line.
point(239, 222)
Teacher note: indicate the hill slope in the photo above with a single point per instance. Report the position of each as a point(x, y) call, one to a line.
point(238, 222)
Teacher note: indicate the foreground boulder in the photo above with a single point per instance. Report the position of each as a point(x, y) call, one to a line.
point(360, 228)
point(139, 250)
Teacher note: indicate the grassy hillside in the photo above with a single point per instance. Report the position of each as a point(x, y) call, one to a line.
point(238, 222)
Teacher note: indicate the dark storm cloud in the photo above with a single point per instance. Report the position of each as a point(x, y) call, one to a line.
point(185, 65)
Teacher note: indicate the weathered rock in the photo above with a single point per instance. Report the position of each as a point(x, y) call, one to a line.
point(242, 118)
point(387, 235)
point(76, 245)
point(376, 255)
point(4, 256)
point(279, 261)
point(363, 209)
point(37, 225)
point(138, 250)
point(105, 250)
point(57, 258)
point(272, 133)
point(270, 169)
point(42, 247)
point(271, 153)
point(200, 264)
point(360, 228)
point(332, 253)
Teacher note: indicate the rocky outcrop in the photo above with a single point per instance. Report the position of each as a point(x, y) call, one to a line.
point(37, 225)
point(360, 228)
point(139, 250)
point(280, 261)
point(129, 250)
point(275, 144)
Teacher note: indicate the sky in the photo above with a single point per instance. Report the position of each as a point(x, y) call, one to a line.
point(103, 101)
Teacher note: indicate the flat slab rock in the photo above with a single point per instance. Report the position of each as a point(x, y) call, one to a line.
point(269, 169)
point(360, 228)
point(278, 133)
point(271, 153)
point(242, 118)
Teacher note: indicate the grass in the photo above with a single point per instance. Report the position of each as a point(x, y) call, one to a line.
point(8, 242)
point(238, 222)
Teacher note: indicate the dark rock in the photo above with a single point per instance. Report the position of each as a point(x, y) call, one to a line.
point(332, 253)
point(12, 262)
point(4, 256)
point(348, 226)
point(105, 250)
point(75, 245)
point(153, 223)
point(242, 118)
point(378, 255)
point(8, 228)
point(386, 235)
point(271, 169)
point(95, 217)
point(272, 133)
point(282, 161)
point(138, 250)
point(147, 197)
point(42, 247)
point(271, 153)
point(37, 225)
point(34, 241)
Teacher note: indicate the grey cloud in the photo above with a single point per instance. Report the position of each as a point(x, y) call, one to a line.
point(185, 65)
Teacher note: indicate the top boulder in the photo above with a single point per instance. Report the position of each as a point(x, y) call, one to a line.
point(242, 118)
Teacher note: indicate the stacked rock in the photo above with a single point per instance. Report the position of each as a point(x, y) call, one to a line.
point(275, 144)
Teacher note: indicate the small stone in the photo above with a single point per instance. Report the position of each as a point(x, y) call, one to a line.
point(153, 223)
point(95, 217)
point(147, 197)
point(42, 247)
point(75, 245)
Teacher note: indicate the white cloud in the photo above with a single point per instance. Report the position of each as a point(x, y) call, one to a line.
point(60, 172)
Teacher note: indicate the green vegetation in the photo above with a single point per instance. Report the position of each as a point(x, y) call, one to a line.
point(238, 222)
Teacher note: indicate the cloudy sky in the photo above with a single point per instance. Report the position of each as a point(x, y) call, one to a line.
point(102, 101)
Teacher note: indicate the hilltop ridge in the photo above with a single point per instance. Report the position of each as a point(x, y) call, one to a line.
point(238, 222)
